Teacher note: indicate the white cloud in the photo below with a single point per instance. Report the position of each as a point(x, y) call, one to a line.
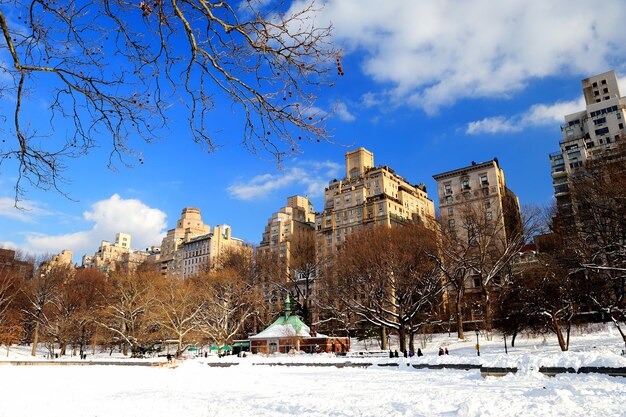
point(432, 53)
point(310, 177)
point(342, 112)
point(536, 115)
point(498, 124)
point(28, 211)
point(146, 226)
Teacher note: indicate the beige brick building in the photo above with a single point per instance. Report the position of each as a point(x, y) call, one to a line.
point(368, 195)
point(199, 253)
point(189, 225)
point(480, 215)
point(293, 224)
point(479, 188)
point(116, 256)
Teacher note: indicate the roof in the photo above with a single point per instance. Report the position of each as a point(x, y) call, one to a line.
point(283, 327)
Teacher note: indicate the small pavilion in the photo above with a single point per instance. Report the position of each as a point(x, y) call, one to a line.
point(289, 332)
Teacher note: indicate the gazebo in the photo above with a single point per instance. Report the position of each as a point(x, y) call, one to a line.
point(289, 332)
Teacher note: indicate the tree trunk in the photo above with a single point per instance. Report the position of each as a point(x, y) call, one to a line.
point(402, 338)
point(459, 316)
point(62, 348)
point(559, 333)
point(488, 312)
point(513, 339)
point(35, 339)
point(411, 340)
point(383, 338)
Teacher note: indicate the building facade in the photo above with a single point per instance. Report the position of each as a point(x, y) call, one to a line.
point(291, 228)
point(116, 256)
point(189, 225)
point(481, 222)
point(200, 253)
point(368, 195)
point(9, 263)
point(587, 135)
point(478, 188)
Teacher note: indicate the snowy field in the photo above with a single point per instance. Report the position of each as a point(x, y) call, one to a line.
point(252, 388)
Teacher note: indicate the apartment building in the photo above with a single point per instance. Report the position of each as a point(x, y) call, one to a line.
point(368, 195)
point(116, 256)
point(200, 253)
point(10, 263)
point(589, 134)
point(293, 224)
point(189, 225)
point(479, 188)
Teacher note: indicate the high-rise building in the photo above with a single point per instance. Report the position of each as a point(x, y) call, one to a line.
point(479, 188)
point(189, 225)
point(368, 195)
point(481, 224)
point(589, 134)
point(116, 256)
point(291, 228)
point(201, 253)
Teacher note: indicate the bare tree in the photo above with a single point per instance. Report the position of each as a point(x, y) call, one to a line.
point(476, 251)
point(385, 277)
point(113, 70)
point(596, 232)
point(125, 315)
point(230, 300)
point(42, 292)
point(177, 305)
point(549, 295)
point(9, 288)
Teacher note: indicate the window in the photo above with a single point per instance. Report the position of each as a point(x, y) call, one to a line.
point(451, 223)
point(602, 131)
point(450, 211)
point(465, 183)
point(489, 215)
point(448, 188)
point(484, 180)
point(485, 192)
point(599, 121)
point(448, 199)
point(476, 280)
point(487, 204)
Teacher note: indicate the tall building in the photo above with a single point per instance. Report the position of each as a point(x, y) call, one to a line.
point(481, 188)
point(189, 225)
point(480, 218)
point(116, 256)
point(200, 253)
point(291, 225)
point(368, 195)
point(589, 134)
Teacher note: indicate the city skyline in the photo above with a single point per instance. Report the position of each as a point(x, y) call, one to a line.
point(417, 94)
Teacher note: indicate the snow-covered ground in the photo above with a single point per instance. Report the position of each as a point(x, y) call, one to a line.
point(253, 388)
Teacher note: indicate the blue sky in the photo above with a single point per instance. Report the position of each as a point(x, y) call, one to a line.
point(429, 87)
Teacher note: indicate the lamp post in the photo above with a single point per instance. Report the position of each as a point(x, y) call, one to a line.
point(477, 344)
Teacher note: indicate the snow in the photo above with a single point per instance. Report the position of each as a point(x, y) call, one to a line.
point(193, 388)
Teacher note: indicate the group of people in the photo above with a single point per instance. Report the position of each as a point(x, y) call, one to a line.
point(443, 351)
point(410, 354)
